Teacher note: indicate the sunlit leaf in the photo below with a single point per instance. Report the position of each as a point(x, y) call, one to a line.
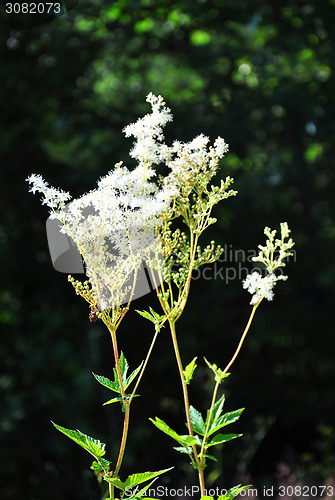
point(226, 419)
point(135, 479)
point(198, 424)
point(185, 440)
point(189, 370)
point(113, 386)
point(93, 446)
point(222, 438)
point(217, 410)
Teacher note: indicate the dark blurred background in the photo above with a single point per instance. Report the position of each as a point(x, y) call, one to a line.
point(261, 75)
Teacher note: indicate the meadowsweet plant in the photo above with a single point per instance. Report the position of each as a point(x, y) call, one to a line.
point(135, 217)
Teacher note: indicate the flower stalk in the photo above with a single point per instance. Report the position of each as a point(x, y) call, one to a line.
point(219, 379)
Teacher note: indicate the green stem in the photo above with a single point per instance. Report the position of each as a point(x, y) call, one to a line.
point(112, 331)
point(126, 403)
point(219, 381)
point(123, 441)
point(143, 367)
point(111, 491)
point(184, 295)
point(251, 317)
point(204, 441)
point(126, 419)
point(187, 404)
point(117, 359)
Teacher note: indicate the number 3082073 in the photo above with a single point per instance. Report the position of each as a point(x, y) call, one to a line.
point(33, 8)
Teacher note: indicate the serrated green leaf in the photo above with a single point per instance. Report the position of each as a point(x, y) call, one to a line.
point(152, 316)
point(136, 479)
point(141, 477)
point(165, 428)
point(114, 400)
point(183, 440)
point(123, 368)
point(119, 399)
point(96, 466)
point(146, 315)
point(102, 465)
point(93, 446)
point(211, 457)
point(189, 370)
point(158, 317)
point(113, 386)
point(198, 441)
point(132, 376)
point(234, 492)
point(226, 419)
point(222, 438)
point(183, 449)
point(189, 440)
point(115, 481)
point(219, 375)
point(217, 410)
point(198, 424)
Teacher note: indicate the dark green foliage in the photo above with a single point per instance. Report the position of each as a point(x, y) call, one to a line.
point(196, 446)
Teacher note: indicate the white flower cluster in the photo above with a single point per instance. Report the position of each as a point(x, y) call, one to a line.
point(52, 197)
point(272, 255)
point(259, 287)
point(115, 225)
point(192, 162)
point(188, 162)
point(148, 131)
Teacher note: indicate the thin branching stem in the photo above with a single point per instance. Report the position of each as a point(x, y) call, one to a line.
point(144, 366)
point(251, 317)
point(187, 404)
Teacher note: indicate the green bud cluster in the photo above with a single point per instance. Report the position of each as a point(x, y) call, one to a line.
point(273, 253)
